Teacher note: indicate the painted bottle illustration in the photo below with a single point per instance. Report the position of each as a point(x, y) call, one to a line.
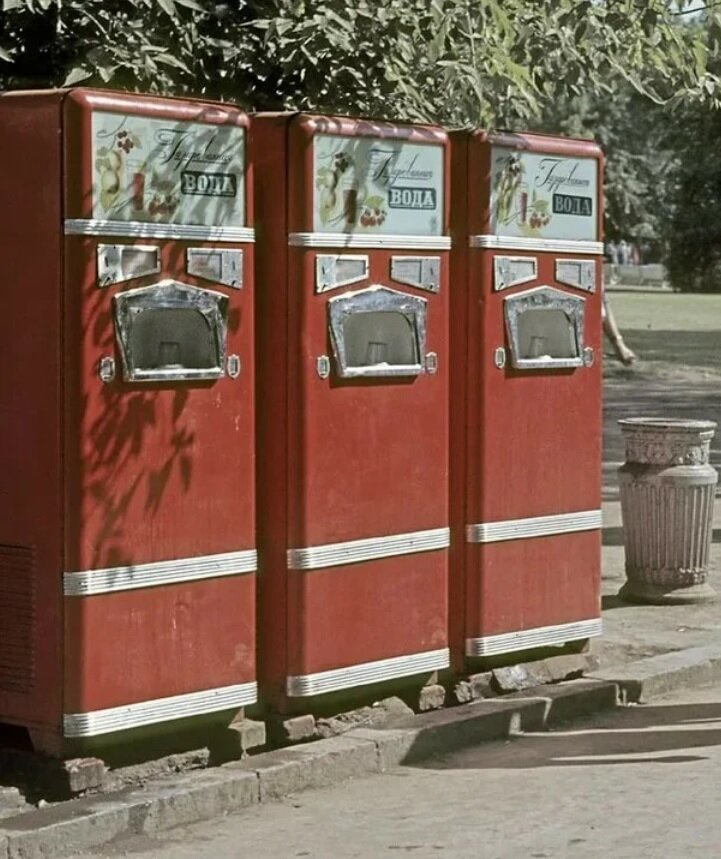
point(350, 198)
point(523, 203)
point(138, 191)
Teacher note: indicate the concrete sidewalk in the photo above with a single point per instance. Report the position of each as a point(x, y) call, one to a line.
point(633, 632)
point(645, 651)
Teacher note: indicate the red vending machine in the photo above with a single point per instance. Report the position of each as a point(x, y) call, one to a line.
point(352, 349)
point(127, 524)
point(526, 393)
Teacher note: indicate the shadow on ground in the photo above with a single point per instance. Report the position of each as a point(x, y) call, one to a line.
point(663, 734)
point(698, 349)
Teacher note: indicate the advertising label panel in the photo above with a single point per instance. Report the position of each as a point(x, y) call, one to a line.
point(539, 195)
point(377, 185)
point(167, 171)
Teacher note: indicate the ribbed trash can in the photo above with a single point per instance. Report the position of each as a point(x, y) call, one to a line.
point(667, 496)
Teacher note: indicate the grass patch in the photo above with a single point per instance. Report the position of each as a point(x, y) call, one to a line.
point(666, 311)
point(671, 329)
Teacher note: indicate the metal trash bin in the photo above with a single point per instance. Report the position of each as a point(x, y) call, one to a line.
point(667, 495)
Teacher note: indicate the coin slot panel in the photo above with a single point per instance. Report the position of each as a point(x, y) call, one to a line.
point(120, 263)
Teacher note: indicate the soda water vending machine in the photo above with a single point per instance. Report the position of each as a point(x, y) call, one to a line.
point(352, 349)
point(526, 393)
point(127, 545)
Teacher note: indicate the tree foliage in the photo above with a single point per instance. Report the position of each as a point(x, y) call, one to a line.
point(693, 222)
point(461, 62)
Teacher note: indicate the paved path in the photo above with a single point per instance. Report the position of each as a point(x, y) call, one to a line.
point(634, 783)
point(635, 632)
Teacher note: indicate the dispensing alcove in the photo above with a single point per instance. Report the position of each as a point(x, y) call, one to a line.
point(171, 332)
point(545, 329)
point(378, 332)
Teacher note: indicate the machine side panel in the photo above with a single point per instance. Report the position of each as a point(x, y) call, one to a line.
point(530, 584)
point(31, 411)
point(359, 613)
point(175, 639)
point(268, 148)
point(462, 332)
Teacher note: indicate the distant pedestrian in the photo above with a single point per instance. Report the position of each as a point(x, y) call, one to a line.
point(624, 252)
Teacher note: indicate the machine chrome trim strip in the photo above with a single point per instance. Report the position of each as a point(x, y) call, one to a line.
point(535, 526)
point(350, 240)
point(104, 581)
point(527, 639)
point(519, 243)
point(145, 230)
point(305, 685)
point(356, 551)
point(160, 710)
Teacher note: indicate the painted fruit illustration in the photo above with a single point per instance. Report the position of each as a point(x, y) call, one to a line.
point(110, 167)
point(329, 195)
point(538, 216)
point(374, 211)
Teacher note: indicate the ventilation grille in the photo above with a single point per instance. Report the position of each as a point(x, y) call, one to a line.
point(17, 618)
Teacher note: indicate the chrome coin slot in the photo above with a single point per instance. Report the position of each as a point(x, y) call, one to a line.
point(220, 265)
point(513, 271)
point(119, 263)
point(422, 272)
point(580, 273)
point(336, 270)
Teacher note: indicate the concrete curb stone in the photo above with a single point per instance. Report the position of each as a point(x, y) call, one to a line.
point(286, 771)
point(573, 699)
point(82, 824)
point(656, 675)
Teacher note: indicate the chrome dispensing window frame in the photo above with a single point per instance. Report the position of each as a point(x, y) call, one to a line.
point(545, 298)
point(377, 299)
point(212, 306)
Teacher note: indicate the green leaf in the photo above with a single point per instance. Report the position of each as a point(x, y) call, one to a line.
point(170, 60)
point(168, 6)
point(76, 75)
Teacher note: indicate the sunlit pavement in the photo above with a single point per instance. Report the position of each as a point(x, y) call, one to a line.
point(637, 782)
